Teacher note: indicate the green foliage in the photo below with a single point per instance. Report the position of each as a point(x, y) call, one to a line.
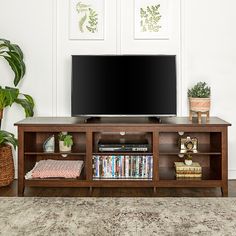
point(7, 138)
point(88, 18)
point(93, 21)
point(14, 56)
point(150, 17)
point(200, 90)
point(8, 96)
point(66, 138)
point(80, 7)
point(81, 23)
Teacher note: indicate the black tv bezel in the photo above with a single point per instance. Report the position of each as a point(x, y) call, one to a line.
point(125, 115)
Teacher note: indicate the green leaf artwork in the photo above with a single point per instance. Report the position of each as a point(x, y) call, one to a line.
point(88, 18)
point(150, 18)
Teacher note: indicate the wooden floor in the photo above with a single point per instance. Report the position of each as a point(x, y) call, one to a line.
point(11, 191)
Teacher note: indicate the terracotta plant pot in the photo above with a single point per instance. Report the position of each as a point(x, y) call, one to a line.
point(199, 104)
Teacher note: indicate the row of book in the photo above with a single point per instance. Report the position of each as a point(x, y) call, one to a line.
point(130, 167)
point(184, 171)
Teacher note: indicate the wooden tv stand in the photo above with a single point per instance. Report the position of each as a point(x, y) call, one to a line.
point(162, 138)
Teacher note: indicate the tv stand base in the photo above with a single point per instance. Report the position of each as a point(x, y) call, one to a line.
point(155, 119)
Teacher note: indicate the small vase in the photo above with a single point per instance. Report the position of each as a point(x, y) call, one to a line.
point(64, 148)
point(188, 162)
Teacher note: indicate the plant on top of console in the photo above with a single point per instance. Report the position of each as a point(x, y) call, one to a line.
point(200, 90)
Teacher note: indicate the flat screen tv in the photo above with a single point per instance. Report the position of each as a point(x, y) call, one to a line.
point(129, 85)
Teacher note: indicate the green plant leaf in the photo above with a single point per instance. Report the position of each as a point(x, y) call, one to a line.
point(68, 141)
point(200, 90)
point(7, 138)
point(15, 58)
point(27, 103)
point(7, 96)
point(15, 69)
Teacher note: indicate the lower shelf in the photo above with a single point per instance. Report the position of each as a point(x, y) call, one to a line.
point(121, 179)
point(87, 183)
point(168, 173)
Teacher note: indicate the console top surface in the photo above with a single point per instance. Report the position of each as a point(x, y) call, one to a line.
point(114, 121)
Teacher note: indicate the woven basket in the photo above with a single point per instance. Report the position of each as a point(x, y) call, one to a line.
point(6, 165)
point(199, 104)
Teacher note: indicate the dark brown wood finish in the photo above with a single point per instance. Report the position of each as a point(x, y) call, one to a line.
point(161, 137)
point(21, 167)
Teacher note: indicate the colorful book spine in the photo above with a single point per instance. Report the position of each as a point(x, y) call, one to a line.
point(122, 167)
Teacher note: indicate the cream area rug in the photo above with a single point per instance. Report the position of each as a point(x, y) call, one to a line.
point(117, 216)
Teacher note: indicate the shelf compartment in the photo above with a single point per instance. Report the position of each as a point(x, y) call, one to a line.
point(122, 167)
point(122, 138)
point(209, 143)
point(82, 177)
point(37, 149)
point(34, 141)
point(168, 173)
point(173, 149)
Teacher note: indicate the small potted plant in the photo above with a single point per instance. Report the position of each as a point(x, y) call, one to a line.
point(65, 142)
point(199, 97)
point(6, 159)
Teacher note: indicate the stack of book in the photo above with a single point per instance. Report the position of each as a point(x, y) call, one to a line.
point(185, 171)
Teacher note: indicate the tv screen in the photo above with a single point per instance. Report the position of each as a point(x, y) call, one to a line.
point(132, 85)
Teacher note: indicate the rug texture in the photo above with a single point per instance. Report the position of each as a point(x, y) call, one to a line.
point(117, 216)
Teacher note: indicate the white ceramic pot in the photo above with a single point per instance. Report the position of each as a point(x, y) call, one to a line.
point(199, 104)
point(64, 148)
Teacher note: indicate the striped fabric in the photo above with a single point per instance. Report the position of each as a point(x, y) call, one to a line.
point(57, 169)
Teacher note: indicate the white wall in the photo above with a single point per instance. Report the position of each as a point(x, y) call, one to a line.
point(202, 37)
point(209, 53)
point(29, 24)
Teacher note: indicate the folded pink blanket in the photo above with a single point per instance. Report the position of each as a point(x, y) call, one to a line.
point(57, 169)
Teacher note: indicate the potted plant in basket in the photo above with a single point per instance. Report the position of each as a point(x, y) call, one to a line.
point(6, 164)
point(65, 142)
point(199, 99)
point(8, 95)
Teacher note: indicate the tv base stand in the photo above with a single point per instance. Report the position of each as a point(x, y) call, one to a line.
point(162, 138)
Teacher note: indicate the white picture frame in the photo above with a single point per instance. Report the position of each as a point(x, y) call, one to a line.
point(86, 19)
point(148, 27)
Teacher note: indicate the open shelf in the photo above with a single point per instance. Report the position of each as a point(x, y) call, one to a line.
point(161, 138)
point(168, 173)
point(123, 153)
point(172, 149)
point(125, 179)
point(37, 149)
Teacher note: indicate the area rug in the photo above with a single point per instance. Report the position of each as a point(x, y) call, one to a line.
point(117, 216)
